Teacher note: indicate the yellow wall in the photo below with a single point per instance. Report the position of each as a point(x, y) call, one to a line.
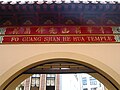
point(14, 58)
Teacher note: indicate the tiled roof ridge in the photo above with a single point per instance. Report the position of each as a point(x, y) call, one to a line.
point(59, 2)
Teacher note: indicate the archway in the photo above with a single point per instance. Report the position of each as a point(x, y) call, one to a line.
point(107, 74)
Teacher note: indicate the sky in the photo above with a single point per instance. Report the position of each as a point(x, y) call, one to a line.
point(58, 1)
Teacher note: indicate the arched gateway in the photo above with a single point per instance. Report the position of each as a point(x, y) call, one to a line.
point(99, 70)
point(34, 34)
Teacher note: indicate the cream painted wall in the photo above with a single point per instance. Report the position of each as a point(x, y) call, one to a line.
point(10, 55)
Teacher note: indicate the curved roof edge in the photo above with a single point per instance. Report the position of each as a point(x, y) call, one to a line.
point(59, 1)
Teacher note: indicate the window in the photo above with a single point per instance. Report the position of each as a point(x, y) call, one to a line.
point(93, 81)
point(50, 79)
point(21, 87)
point(84, 81)
point(93, 89)
point(50, 82)
point(85, 89)
point(35, 81)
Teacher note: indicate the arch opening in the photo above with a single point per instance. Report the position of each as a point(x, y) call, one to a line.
point(93, 70)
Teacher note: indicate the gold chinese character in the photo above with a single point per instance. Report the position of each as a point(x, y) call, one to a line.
point(78, 30)
point(40, 30)
point(65, 30)
point(102, 30)
point(52, 31)
point(90, 29)
point(27, 31)
point(16, 31)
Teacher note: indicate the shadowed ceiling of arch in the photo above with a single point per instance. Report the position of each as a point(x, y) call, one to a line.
point(58, 67)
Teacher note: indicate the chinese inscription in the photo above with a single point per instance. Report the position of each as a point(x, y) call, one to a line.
point(59, 34)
